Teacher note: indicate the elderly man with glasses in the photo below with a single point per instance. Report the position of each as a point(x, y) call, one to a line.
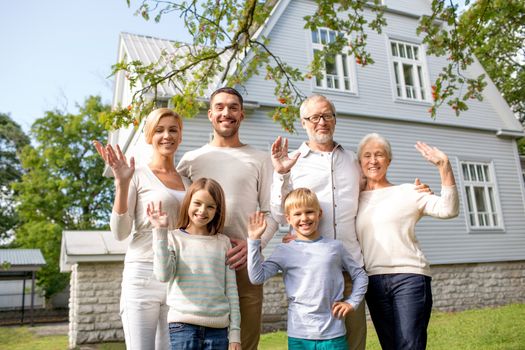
point(333, 173)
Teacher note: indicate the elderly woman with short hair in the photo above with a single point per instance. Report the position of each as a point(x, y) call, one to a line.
point(399, 294)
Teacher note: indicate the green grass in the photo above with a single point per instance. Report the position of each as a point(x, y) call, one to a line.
point(485, 329)
point(21, 338)
point(500, 328)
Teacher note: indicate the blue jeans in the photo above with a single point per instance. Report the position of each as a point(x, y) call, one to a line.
point(185, 336)
point(400, 305)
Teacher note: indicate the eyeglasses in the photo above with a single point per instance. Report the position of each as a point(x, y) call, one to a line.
point(316, 118)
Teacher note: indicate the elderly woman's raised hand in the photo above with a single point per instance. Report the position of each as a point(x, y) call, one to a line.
point(432, 154)
point(280, 160)
point(117, 161)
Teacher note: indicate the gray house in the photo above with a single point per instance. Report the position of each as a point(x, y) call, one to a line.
point(390, 97)
point(478, 258)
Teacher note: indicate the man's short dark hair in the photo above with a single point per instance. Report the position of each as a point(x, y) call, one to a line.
point(227, 90)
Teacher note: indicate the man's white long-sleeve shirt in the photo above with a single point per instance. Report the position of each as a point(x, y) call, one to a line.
point(334, 177)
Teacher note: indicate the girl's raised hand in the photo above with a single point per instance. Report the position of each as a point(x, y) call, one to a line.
point(117, 161)
point(158, 218)
point(256, 225)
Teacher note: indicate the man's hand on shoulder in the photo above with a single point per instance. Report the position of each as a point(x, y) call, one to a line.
point(420, 187)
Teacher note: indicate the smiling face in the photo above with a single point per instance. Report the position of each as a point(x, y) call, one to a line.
point(323, 131)
point(374, 161)
point(305, 221)
point(201, 211)
point(225, 114)
point(166, 136)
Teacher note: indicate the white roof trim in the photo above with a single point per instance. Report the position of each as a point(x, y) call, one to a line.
point(90, 246)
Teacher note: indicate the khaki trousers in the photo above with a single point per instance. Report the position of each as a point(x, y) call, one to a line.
point(355, 322)
point(250, 302)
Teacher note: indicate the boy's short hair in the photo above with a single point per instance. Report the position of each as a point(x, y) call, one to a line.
point(301, 197)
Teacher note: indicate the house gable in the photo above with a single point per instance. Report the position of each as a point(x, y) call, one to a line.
point(484, 134)
point(375, 83)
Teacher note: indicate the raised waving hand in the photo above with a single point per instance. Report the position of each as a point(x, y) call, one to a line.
point(157, 217)
point(256, 225)
point(435, 156)
point(281, 162)
point(117, 161)
point(432, 154)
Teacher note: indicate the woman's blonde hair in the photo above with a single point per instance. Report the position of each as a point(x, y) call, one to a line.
point(152, 120)
point(301, 198)
point(216, 225)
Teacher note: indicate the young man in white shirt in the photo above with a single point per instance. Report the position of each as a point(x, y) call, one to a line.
point(245, 174)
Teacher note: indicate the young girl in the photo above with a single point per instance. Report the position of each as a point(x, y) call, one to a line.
point(202, 291)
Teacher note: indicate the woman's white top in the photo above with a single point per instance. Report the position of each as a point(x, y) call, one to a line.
point(145, 187)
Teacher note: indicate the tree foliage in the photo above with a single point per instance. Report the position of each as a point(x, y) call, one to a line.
point(499, 43)
point(12, 140)
point(62, 187)
point(227, 49)
point(521, 146)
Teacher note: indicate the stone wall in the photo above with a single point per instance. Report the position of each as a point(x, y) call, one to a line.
point(94, 303)
point(275, 305)
point(95, 294)
point(473, 286)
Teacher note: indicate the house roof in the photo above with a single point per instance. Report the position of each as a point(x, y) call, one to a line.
point(90, 246)
point(148, 50)
point(151, 50)
point(22, 259)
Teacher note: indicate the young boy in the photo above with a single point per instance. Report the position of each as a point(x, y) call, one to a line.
point(312, 271)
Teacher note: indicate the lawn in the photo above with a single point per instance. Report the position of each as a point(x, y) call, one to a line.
point(490, 329)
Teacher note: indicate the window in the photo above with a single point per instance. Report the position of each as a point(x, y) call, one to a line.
point(162, 103)
point(409, 73)
point(339, 71)
point(481, 195)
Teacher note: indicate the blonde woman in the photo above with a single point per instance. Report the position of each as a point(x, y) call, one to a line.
point(143, 306)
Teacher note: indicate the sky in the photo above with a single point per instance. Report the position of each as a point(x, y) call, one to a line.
point(56, 53)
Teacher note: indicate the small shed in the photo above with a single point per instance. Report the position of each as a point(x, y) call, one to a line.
point(95, 260)
point(21, 264)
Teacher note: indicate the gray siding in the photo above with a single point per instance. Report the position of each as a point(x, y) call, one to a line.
point(374, 109)
point(443, 241)
point(414, 7)
point(375, 98)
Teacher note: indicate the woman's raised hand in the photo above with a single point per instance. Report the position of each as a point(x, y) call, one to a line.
point(432, 154)
point(117, 161)
point(157, 217)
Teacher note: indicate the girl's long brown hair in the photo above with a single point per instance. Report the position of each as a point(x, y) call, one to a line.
point(216, 225)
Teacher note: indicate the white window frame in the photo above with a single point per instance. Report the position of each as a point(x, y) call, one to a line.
point(345, 72)
point(478, 178)
point(409, 56)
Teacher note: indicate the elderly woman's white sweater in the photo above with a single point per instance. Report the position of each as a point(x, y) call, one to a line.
point(386, 222)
